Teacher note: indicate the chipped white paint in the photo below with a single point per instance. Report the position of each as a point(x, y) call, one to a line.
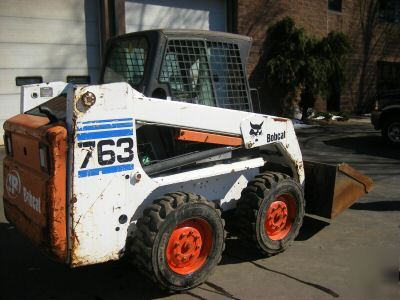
point(105, 163)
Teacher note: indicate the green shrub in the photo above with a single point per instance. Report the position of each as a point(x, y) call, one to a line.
point(297, 62)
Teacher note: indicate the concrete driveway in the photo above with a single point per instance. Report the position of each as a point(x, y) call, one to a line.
point(355, 257)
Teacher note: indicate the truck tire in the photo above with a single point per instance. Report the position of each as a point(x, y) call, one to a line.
point(270, 212)
point(179, 240)
point(391, 131)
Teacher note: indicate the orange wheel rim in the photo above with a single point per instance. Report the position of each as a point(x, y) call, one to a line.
point(189, 246)
point(280, 216)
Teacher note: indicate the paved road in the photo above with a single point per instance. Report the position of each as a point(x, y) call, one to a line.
point(356, 257)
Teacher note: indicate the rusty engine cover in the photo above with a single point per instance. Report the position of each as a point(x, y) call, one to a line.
point(35, 192)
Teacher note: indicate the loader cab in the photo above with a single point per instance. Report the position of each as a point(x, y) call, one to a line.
point(195, 66)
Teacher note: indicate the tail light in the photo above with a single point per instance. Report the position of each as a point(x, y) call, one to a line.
point(43, 156)
point(8, 144)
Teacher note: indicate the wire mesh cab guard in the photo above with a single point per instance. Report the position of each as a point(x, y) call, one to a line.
point(201, 67)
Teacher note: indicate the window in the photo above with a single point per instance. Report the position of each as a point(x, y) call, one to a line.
point(389, 10)
point(78, 79)
point(205, 72)
point(388, 76)
point(185, 68)
point(335, 5)
point(228, 75)
point(127, 61)
point(19, 81)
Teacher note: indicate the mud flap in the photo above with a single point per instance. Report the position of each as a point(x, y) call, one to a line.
point(330, 189)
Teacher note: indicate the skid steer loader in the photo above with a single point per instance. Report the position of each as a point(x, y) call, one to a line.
point(146, 163)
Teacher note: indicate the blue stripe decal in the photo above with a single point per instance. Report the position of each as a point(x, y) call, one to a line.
point(105, 126)
point(104, 170)
point(103, 134)
point(110, 120)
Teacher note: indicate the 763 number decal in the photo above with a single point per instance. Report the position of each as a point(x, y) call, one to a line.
point(105, 155)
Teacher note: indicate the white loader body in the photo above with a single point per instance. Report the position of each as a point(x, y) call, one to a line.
point(111, 185)
point(93, 173)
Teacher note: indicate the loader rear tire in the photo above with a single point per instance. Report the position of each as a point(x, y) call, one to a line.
point(270, 212)
point(179, 240)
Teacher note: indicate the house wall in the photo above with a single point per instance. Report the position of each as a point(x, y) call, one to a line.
point(372, 40)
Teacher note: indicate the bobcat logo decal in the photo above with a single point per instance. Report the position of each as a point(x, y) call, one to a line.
point(256, 129)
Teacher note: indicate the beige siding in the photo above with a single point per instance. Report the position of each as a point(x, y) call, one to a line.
point(177, 14)
point(48, 38)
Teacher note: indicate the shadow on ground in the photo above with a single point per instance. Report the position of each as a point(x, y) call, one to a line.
point(377, 206)
point(235, 253)
point(310, 227)
point(368, 144)
point(29, 274)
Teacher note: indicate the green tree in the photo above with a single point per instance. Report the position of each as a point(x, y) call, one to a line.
point(336, 46)
point(302, 66)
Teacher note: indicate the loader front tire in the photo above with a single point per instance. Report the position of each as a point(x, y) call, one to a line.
point(270, 212)
point(179, 240)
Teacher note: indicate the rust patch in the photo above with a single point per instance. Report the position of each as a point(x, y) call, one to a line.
point(24, 223)
point(361, 178)
point(57, 138)
point(279, 119)
point(330, 189)
point(24, 123)
point(38, 207)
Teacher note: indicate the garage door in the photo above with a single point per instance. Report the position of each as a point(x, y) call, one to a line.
point(176, 14)
point(48, 39)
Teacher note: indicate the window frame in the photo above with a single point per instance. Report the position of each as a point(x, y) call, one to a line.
point(382, 12)
point(218, 100)
point(121, 40)
point(159, 77)
point(335, 6)
point(382, 75)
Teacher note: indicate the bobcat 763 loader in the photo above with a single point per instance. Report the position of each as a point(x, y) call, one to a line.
point(149, 162)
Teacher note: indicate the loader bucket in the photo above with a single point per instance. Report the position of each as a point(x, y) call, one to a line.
point(330, 189)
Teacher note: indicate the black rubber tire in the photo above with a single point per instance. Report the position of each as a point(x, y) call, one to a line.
point(385, 130)
point(255, 201)
point(152, 234)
